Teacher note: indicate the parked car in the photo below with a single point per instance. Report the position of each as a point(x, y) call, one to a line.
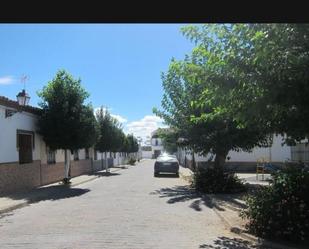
point(166, 164)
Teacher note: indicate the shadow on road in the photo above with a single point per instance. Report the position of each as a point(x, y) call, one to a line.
point(198, 200)
point(100, 174)
point(185, 193)
point(232, 243)
point(52, 193)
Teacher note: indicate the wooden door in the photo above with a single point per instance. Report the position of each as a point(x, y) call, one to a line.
point(25, 148)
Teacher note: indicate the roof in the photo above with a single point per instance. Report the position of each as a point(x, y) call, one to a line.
point(14, 104)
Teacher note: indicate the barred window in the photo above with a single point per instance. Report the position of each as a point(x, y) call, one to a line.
point(51, 156)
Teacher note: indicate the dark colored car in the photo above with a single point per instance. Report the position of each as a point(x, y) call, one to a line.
point(166, 164)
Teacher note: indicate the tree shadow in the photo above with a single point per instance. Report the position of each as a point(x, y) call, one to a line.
point(52, 193)
point(101, 174)
point(186, 193)
point(121, 167)
point(232, 243)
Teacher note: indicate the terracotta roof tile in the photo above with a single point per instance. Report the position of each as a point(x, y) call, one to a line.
point(14, 104)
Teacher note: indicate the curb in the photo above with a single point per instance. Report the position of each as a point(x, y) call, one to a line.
point(26, 203)
point(17, 206)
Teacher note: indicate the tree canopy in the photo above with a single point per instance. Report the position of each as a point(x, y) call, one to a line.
point(267, 70)
point(66, 122)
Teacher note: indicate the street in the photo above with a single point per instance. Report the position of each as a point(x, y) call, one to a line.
point(127, 209)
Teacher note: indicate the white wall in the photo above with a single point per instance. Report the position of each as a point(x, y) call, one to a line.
point(276, 152)
point(153, 141)
point(146, 154)
point(8, 128)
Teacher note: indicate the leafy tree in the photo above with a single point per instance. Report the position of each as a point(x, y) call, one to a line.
point(267, 67)
point(106, 138)
point(169, 139)
point(192, 103)
point(132, 144)
point(66, 123)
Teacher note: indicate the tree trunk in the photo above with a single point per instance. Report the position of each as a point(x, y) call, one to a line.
point(67, 160)
point(101, 160)
point(193, 161)
point(106, 162)
point(220, 159)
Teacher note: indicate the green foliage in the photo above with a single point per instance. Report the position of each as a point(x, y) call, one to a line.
point(132, 143)
point(169, 139)
point(132, 161)
point(66, 123)
point(281, 210)
point(110, 135)
point(195, 93)
point(215, 180)
point(262, 66)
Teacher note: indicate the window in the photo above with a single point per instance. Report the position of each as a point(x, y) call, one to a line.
point(87, 153)
point(156, 142)
point(76, 158)
point(95, 155)
point(25, 143)
point(51, 156)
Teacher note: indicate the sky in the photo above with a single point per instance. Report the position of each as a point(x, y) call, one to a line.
point(120, 65)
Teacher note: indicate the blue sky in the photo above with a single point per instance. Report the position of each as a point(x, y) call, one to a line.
point(120, 65)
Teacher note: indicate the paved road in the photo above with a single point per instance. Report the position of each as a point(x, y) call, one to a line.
point(129, 209)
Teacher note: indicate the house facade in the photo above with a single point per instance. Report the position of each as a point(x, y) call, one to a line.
point(27, 162)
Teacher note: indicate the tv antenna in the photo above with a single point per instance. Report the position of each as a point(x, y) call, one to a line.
point(23, 79)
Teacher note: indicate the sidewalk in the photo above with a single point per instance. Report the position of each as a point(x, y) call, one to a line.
point(13, 201)
point(228, 206)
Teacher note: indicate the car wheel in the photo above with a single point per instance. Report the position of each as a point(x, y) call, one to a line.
point(177, 174)
point(156, 174)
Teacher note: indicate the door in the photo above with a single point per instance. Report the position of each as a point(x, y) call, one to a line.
point(25, 148)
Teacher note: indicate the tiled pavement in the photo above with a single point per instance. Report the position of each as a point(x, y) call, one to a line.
point(128, 209)
point(125, 209)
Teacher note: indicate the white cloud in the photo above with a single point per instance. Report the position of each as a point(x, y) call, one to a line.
point(119, 118)
point(144, 127)
point(6, 80)
point(116, 116)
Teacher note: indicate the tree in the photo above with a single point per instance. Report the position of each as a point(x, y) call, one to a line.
point(267, 67)
point(66, 123)
point(132, 144)
point(106, 126)
point(192, 103)
point(169, 139)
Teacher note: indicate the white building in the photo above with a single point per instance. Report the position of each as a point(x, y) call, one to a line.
point(26, 161)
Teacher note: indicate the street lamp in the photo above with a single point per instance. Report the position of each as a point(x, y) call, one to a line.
point(23, 98)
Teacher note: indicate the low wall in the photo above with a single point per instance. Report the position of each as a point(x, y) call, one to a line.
point(19, 177)
point(97, 165)
point(52, 173)
point(80, 167)
point(16, 177)
point(238, 167)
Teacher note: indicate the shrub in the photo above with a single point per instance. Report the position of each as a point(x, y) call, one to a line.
point(281, 210)
point(132, 161)
point(213, 180)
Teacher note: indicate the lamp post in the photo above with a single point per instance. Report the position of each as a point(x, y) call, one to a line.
point(23, 98)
